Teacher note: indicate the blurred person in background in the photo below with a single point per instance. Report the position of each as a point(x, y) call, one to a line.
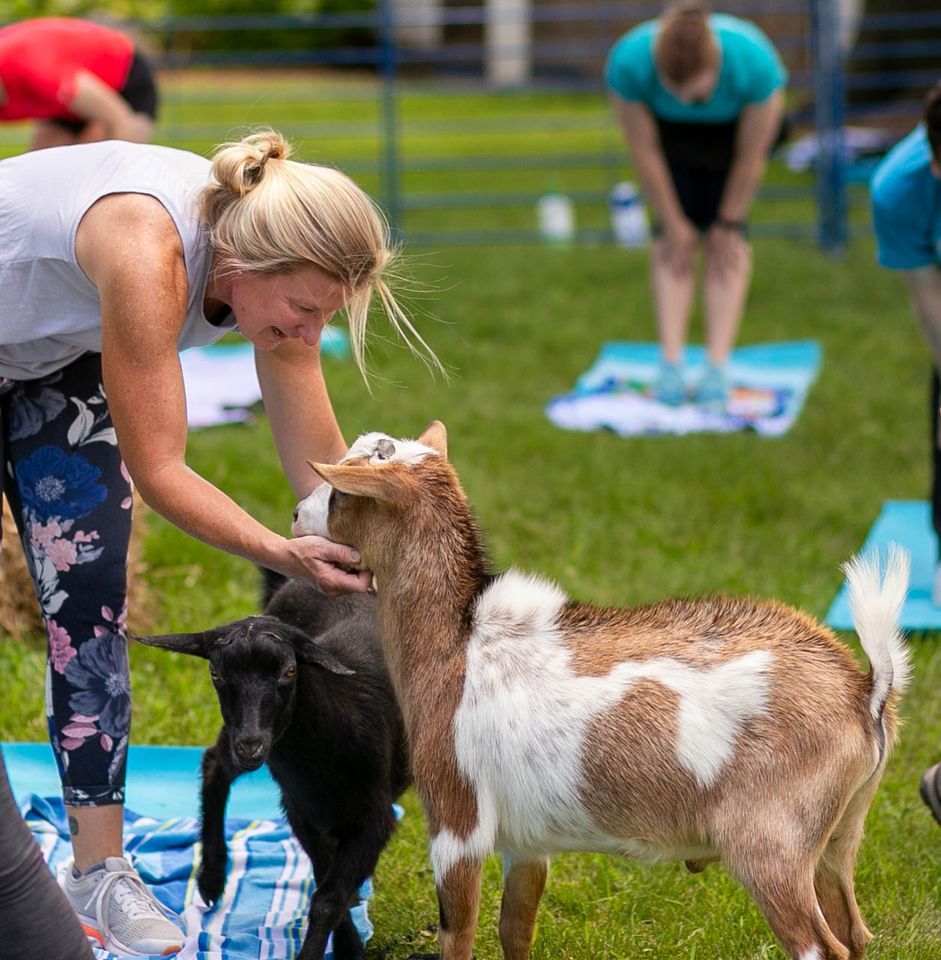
point(700, 99)
point(80, 81)
point(906, 212)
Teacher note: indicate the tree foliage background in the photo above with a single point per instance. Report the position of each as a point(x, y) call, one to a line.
point(153, 19)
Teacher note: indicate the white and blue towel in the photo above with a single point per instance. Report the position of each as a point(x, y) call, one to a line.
point(769, 383)
point(221, 383)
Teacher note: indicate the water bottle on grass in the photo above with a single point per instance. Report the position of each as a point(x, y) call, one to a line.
point(556, 214)
point(628, 216)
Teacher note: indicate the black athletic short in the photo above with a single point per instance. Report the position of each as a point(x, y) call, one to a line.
point(139, 91)
point(699, 157)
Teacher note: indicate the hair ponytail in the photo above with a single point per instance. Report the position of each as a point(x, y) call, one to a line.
point(267, 214)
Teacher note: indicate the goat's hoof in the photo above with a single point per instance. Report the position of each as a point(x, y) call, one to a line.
point(211, 886)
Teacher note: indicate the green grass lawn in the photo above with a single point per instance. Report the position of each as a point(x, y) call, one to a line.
point(613, 520)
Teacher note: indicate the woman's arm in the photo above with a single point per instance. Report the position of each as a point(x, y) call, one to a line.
point(640, 130)
point(678, 237)
point(758, 126)
point(299, 411)
point(96, 102)
point(924, 288)
point(129, 248)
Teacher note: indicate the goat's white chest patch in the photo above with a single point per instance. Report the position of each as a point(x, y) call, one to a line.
point(521, 725)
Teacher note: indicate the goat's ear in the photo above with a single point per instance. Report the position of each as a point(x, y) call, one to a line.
point(315, 655)
point(195, 644)
point(380, 482)
point(436, 437)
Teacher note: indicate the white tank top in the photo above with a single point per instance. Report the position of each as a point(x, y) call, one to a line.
point(49, 310)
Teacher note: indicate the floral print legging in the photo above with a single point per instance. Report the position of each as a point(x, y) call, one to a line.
point(70, 493)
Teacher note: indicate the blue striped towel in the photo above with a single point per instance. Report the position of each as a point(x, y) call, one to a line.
point(263, 912)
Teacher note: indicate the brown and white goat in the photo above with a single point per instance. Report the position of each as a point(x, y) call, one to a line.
point(715, 729)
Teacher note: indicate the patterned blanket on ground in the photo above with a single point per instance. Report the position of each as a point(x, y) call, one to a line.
point(769, 383)
point(263, 913)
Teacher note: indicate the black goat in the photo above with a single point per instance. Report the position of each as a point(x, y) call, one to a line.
point(305, 689)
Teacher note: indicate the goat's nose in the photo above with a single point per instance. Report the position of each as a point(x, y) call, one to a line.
point(250, 750)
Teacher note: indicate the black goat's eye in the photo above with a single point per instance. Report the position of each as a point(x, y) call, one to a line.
point(289, 673)
point(214, 675)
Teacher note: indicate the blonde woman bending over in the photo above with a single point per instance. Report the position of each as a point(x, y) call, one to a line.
point(113, 257)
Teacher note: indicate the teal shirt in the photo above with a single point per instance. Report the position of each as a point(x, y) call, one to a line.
point(750, 70)
point(906, 205)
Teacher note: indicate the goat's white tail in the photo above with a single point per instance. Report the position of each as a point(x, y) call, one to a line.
point(876, 599)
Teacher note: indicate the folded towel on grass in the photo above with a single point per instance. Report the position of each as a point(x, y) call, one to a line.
point(221, 383)
point(769, 383)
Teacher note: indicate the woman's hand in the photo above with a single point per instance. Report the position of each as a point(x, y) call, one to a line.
point(321, 560)
point(728, 250)
point(679, 244)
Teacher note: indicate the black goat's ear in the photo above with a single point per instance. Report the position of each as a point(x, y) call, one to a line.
point(315, 655)
point(195, 644)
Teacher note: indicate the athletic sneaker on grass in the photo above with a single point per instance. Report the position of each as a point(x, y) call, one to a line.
point(119, 913)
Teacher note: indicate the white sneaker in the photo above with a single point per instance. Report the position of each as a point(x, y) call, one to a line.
point(936, 587)
point(119, 913)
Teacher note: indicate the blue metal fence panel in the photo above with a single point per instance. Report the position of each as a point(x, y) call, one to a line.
point(455, 155)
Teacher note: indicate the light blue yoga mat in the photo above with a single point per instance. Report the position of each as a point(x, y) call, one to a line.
point(907, 523)
point(769, 383)
point(263, 912)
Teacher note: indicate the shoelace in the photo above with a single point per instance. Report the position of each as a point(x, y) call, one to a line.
point(132, 896)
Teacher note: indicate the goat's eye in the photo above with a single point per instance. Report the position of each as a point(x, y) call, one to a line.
point(214, 675)
point(289, 672)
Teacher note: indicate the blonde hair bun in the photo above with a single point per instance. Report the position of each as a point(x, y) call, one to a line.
point(239, 166)
point(267, 214)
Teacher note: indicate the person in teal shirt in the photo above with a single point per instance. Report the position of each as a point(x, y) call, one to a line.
point(700, 98)
point(906, 214)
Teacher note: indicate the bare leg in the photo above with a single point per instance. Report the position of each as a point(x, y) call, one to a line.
point(673, 291)
point(458, 905)
point(97, 832)
point(726, 277)
point(522, 889)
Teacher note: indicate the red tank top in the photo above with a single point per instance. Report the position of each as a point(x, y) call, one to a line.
point(40, 59)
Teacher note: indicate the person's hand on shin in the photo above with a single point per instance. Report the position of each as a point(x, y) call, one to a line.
point(679, 245)
point(727, 250)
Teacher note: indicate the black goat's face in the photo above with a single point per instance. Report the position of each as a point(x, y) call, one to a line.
point(255, 676)
point(254, 666)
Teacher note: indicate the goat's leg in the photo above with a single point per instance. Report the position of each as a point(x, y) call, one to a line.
point(458, 905)
point(784, 890)
point(523, 883)
point(217, 777)
point(343, 868)
point(834, 875)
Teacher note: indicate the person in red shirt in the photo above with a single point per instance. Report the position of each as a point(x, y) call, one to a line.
point(80, 80)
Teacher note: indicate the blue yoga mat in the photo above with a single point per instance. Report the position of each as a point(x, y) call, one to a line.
point(769, 383)
point(263, 912)
point(907, 523)
point(161, 781)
